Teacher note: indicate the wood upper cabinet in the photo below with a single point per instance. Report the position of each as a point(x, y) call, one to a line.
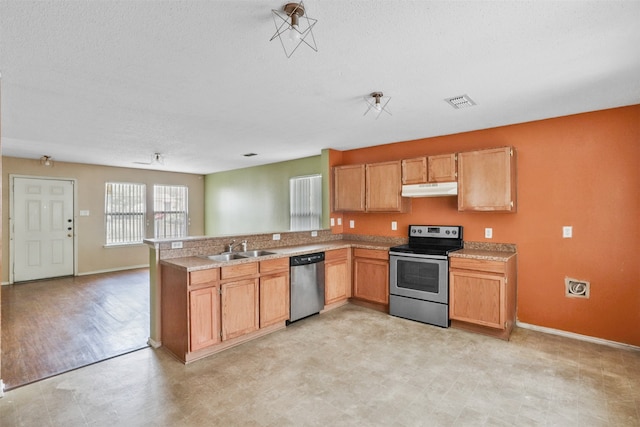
point(442, 168)
point(239, 299)
point(487, 180)
point(384, 187)
point(421, 170)
point(349, 188)
point(374, 187)
point(414, 171)
point(337, 276)
point(483, 293)
point(371, 275)
point(274, 291)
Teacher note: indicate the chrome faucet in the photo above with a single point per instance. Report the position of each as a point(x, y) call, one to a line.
point(233, 244)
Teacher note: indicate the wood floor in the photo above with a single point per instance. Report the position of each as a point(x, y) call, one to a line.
point(54, 326)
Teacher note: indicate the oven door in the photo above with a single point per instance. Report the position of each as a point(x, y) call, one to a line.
point(415, 276)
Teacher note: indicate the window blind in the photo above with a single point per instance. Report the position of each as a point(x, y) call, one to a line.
point(170, 213)
point(125, 209)
point(305, 202)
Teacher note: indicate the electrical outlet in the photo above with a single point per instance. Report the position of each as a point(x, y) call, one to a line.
point(339, 221)
point(567, 232)
point(352, 223)
point(488, 233)
point(276, 236)
point(314, 234)
point(394, 225)
point(176, 245)
point(333, 222)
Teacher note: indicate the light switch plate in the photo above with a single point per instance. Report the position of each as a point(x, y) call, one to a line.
point(339, 221)
point(314, 234)
point(567, 232)
point(333, 222)
point(394, 225)
point(488, 233)
point(352, 223)
point(276, 236)
point(176, 245)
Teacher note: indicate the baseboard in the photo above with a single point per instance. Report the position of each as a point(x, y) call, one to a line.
point(111, 270)
point(153, 343)
point(577, 336)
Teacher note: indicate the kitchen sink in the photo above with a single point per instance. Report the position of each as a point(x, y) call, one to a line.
point(225, 257)
point(253, 254)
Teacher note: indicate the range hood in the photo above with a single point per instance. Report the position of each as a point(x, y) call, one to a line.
point(439, 189)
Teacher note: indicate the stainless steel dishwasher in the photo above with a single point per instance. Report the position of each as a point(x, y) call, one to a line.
point(307, 285)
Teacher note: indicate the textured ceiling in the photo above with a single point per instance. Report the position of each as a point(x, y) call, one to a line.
point(112, 82)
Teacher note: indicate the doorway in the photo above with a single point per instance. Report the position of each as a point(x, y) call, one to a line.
point(42, 231)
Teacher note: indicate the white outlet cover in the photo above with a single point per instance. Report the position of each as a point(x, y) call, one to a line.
point(333, 222)
point(339, 221)
point(352, 223)
point(276, 236)
point(314, 234)
point(567, 232)
point(488, 233)
point(176, 245)
point(394, 225)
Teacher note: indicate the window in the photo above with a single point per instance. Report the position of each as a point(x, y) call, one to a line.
point(125, 209)
point(305, 202)
point(170, 211)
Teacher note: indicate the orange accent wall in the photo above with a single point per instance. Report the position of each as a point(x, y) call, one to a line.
point(581, 170)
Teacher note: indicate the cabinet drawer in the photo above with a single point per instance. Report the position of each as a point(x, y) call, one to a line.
point(478, 265)
point(271, 265)
point(336, 254)
point(204, 276)
point(239, 270)
point(371, 253)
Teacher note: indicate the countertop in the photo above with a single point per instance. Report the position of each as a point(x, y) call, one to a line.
point(489, 255)
point(195, 263)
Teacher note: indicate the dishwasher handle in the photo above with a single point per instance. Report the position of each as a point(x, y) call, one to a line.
point(306, 259)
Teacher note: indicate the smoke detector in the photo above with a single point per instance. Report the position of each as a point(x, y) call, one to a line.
point(462, 101)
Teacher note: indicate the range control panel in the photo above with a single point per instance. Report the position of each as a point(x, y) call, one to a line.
point(436, 231)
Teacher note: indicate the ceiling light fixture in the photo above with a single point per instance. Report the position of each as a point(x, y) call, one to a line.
point(293, 27)
point(377, 103)
point(156, 159)
point(46, 161)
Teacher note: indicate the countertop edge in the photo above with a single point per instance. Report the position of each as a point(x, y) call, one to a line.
point(196, 263)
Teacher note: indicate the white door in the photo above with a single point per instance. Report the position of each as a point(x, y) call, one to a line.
point(42, 228)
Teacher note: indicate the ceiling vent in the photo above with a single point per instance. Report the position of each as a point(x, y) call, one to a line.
point(462, 101)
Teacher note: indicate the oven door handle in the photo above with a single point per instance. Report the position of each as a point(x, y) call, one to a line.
point(418, 256)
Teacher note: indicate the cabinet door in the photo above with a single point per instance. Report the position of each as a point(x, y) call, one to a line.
point(442, 168)
point(384, 187)
point(204, 318)
point(274, 299)
point(414, 171)
point(336, 281)
point(371, 280)
point(349, 188)
point(487, 180)
point(239, 308)
point(477, 298)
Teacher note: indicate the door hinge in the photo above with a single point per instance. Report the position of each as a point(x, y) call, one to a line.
point(511, 152)
point(511, 203)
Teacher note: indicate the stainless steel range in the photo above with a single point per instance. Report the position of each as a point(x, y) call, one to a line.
point(419, 274)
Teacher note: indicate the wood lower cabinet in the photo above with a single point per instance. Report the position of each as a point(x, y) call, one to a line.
point(371, 276)
point(274, 291)
point(337, 276)
point(189, 310)
point(239, 299)
point(487, 180)
point(482, 295)
point(204, 317)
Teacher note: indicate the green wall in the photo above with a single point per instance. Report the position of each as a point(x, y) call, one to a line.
point(256, 199)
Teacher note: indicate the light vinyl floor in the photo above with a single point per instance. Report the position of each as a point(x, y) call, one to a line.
point(349, 367)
